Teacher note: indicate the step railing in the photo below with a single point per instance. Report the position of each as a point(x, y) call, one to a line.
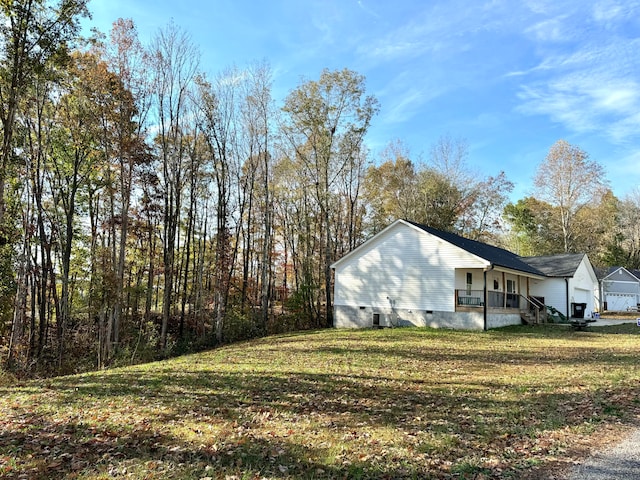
point(535, 307)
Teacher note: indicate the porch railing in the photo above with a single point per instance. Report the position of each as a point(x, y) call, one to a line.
point(475, 298)
point(469, 298)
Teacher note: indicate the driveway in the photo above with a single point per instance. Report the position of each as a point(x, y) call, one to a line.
point(621, 462)
point(603, 322)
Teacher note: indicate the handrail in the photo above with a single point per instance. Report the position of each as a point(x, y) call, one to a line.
point(540, 308)
point(535, 302)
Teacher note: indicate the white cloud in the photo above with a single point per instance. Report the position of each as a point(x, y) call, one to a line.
point(609, 12)
point(587, 103)
point(590, 83)
point(551, 30)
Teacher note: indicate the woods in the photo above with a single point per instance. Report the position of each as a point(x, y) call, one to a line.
point(148, 208)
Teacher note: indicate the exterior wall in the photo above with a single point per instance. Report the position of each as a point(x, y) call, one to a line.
point(356, 317)
point(497, 282)
point(620, 286)
point(582, 288)
point(495, 320)
point(477, 275)
point(554, 291)
point(402, 269)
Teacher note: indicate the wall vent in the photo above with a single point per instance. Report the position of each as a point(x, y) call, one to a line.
point(376, 319)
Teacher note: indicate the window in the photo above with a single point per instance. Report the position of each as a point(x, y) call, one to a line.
point(469, 282)
point(511, 286)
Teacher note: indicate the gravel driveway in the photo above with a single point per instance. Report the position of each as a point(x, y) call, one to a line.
point(621, 462)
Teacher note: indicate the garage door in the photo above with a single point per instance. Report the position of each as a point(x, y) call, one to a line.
point(618, 302)
point(581, 295)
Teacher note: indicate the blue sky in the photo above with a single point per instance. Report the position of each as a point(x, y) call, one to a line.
point(510, 77)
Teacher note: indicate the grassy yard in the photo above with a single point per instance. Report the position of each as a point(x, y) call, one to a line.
point(401, 403)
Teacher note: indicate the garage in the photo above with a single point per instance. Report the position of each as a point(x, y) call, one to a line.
point(619, 302)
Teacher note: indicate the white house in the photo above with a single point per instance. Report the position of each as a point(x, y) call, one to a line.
point(570, 284)
point(411, 274)
point(620, 289)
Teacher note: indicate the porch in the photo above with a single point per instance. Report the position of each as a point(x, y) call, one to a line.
point(531, 310)
point(473, 299)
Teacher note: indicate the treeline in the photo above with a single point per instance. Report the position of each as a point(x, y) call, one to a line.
point(147, 209)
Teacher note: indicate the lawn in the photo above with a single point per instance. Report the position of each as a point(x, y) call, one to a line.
point(392, 403)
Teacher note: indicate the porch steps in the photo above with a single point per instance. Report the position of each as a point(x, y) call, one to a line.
point(528, 318)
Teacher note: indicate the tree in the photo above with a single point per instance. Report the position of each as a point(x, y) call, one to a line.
point(534, 229)
point(623, 247)
point(217, 105)
point(74, 155)
point(448, 186)
point(326, 121)
point(130, 108)
point(257, 112)
point(33, 32)
point(568, 180)
point(391, 188)
point(175, 63)
point(483, 219)
point(33, 35)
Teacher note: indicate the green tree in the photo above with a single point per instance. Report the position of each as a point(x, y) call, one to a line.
point(325, 124)
point(534, 230)
point(623, 246)
point(391, 188)
point(32, 33)
point(73, 158)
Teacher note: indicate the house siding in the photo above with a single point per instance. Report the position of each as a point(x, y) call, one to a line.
point(403, 270)
point(554, 291)
point(629, 288)
point(582, 288)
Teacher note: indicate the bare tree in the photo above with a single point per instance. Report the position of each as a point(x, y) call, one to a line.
point(569, 180)
point(175, 63)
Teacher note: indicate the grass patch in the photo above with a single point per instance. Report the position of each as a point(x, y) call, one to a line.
point(401, 403)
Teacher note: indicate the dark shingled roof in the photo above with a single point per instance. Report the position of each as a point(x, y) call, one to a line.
point(496, 256)
point(602, 273)
point(562, 265)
